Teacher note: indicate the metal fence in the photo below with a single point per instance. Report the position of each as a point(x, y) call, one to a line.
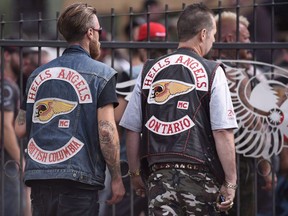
point(117, 43)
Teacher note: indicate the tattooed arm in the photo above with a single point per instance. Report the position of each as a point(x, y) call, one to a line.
point(110, 147)
point(10, 138)
point(20, 124)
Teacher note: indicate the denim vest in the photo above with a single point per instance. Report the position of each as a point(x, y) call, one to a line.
point(61, 106)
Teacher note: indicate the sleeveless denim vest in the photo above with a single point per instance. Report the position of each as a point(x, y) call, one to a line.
point(61, 106)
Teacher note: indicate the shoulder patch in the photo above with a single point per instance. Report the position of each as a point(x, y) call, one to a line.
point(71, 76)
point(194, 66)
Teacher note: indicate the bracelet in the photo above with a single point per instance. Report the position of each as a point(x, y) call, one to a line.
point(135, 173)
point(230, 185)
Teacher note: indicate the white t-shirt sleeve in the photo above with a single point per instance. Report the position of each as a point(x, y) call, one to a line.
point(132, 117)
point(222, 114)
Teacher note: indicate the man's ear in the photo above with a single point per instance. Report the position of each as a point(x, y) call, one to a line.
point(89, 33)
point(203, 34)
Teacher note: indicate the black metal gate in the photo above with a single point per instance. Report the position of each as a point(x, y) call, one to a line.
point(269, 51)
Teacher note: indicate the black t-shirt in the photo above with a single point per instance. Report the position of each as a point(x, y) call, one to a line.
point(11, 96)
point(123, 77)
point(108, 96)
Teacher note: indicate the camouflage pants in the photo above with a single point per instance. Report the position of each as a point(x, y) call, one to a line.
point(181, 192)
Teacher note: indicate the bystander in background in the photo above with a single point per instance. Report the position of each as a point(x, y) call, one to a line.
point(10, 173)
point(241, 85)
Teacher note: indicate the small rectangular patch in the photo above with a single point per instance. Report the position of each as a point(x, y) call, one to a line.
point(64, 123)
point(183, 105)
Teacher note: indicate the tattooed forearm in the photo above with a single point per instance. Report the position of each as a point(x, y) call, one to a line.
point(106, 132)
point(110, 147)
point(21, 118)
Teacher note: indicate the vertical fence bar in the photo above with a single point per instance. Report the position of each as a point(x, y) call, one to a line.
point(272, 34)
point(183, 6)
point(166, 22)
point(148, 28)
point(220, 10)
point(57, 33)
point(237, 26)
point(255, 35)
point(2, 115)
point(39, 37)
point(273, 164)
point(131, 51)
point(255, 185)
point(131, 33)
point(112, 27)
point(21, 171)
point(237, 155)
point(21, 21)
point(113, 47)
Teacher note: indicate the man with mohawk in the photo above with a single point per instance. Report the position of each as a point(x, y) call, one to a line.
point(185, 159)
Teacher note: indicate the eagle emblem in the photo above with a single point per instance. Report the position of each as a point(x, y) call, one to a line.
point(46, 109)
point(261, 107)
point(163, 90)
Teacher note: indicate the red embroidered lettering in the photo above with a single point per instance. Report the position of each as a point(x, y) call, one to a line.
point(80, 84)
point(179, 60)
point(31, 96)
point(200, 85)
point(169, 128)
point(70, 75)
point(150, 74)
point(183, 105)
point(167, 61)
point(193, 65)
point(61, 74)
point(188, 61)
point(63, 123)
point(186, 122)
point(85, 97)
point(75, 79)
point(51, 157)
point(176, 127)
point(147, 82)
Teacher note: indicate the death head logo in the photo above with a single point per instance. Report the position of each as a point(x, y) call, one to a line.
point(47, 109)
point(163, 90)
point(261, 106)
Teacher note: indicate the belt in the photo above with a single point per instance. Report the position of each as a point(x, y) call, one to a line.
point(187, 166)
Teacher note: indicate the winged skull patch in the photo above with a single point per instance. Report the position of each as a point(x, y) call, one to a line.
point(163, 90)
point(48, 108)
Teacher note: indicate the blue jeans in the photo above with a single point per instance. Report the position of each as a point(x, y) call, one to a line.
point(10, 175)
point(60, 200)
